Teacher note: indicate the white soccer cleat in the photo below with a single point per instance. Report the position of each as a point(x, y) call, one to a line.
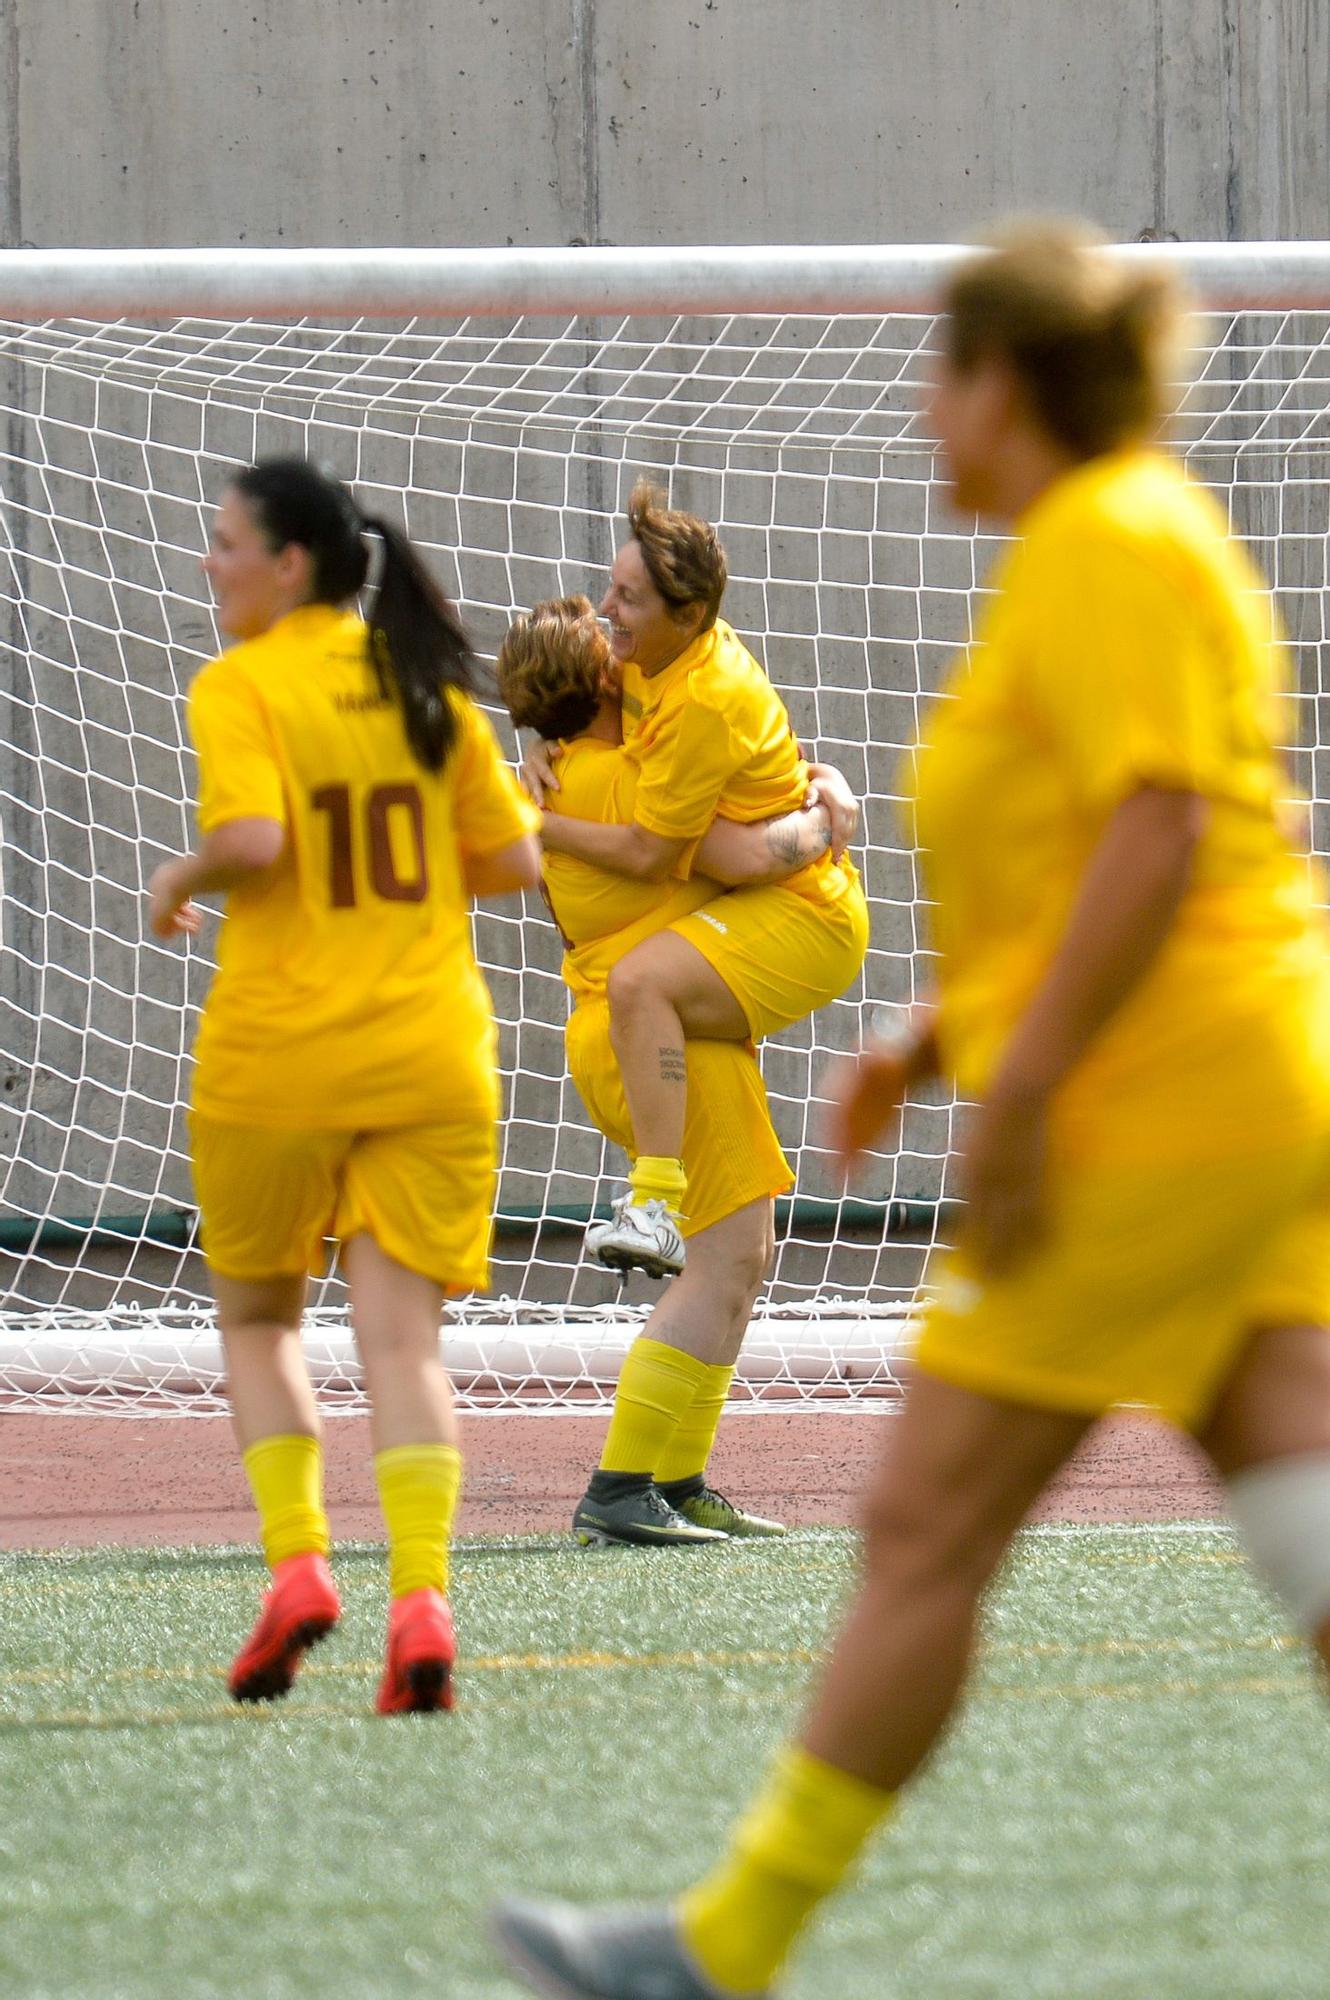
point(639, 1236)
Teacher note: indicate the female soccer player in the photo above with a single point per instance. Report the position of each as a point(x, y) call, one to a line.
point(559, 678)
point(352, 801)
point(1132, 985)
point(710, 736)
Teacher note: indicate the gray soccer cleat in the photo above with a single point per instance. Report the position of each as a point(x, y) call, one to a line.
point(569, 1953)
point(639, 1236)
point(709, 1509)
point(644, 1519)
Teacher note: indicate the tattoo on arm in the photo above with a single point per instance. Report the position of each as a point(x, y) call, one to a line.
point(783, 840)
point(672, 1066)
point(799, 838)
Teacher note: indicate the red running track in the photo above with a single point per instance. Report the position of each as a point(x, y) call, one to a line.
point(68, 1481)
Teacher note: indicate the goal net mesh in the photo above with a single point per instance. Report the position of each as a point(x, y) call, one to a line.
point(508, 448)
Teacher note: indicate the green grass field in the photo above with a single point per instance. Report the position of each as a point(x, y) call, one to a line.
point(1134, 1806)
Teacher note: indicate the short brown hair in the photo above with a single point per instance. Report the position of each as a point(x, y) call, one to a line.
point(1091, 340)
point(683, 555)
point(551, 664)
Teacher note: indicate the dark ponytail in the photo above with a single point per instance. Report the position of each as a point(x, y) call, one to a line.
point(418, 646)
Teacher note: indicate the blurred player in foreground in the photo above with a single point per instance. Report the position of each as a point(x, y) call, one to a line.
point(1132, 987)
point(559, 677)
point(352, 802)
point(710, 736)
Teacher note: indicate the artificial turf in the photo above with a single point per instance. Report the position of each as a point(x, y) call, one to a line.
point(1133, 1806)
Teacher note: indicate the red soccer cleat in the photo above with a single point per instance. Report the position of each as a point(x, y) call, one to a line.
point(421, 1651)
point(300, 1607)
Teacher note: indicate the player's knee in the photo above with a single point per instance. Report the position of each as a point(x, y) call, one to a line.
point(628, 985)
point(746, 1272)
point(917, 1538)
point(395, 1349)
point(1281, 1510)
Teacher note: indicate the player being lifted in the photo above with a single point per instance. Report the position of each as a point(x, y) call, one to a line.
point(352, 802)
point(1132, 989)
point(710, 736)
point(559, 678)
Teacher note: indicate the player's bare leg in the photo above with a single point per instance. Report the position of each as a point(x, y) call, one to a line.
point(959, 1475)
point(650, 1487)
point(706, 1309)
point(417, 1466)
point(277, 1425)
point(267, 1382)
point(662, 993)
point(1272, 1424)
point(398, 1314)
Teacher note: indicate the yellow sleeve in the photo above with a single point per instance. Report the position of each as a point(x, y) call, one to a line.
point(691, 760)
point(490, 809)
point(239, 775)
point(1127, 677)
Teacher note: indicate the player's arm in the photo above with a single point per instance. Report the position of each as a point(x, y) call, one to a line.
point(864, 1093)
point(495, 822)
point(769, 850)
point(506, 872)
point(230, 854)
point(830, 788)
point(625, 850)
point(1123, 913)
point(679, 787)
point(242, 806)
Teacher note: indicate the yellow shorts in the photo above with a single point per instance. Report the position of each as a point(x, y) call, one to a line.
point(1145, 1288)
point(781, 955)
point(267, 1199)
point(730, 1152)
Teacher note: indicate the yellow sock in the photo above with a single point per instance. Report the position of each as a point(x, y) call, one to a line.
point(285, 1476)
point(688, 1450)
point(655, 1178)
point(656, 1387)
point(418, 1488)
point(793, 1846)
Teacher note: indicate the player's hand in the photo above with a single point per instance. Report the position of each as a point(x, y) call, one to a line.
point(1002, 1182)
point(170, 912)
point(538, 774)
point(863, 1096)
point(830, 790)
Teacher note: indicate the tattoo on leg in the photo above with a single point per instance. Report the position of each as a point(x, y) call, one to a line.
point(672, 1068)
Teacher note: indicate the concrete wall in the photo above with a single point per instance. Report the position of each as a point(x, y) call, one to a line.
point(655, 121)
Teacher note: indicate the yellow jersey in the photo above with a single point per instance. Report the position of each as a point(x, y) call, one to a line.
point(1129, 643)
point(711, 736)
point(347, 994)
point(602, 915)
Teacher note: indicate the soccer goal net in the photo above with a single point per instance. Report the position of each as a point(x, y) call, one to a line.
point(503, 416)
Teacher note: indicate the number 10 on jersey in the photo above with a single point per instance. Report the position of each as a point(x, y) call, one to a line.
point(385, 811)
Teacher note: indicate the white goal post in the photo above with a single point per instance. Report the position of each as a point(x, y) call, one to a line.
point(501, 403)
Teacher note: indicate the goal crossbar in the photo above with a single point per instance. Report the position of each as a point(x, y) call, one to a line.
point(701, 278)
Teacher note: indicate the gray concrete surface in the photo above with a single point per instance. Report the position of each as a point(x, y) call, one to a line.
point(556, 121)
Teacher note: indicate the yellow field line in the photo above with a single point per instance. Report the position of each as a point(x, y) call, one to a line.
point(500, 1663)
point(230, 1713)
point(605, 1662)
